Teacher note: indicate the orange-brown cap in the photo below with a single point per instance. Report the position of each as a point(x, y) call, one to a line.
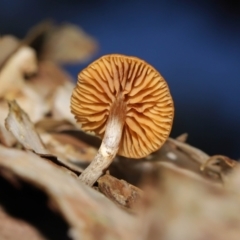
point(149, 105)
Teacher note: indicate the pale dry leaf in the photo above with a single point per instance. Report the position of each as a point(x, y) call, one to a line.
point(67, 43)
point(68, 148)
point(87, 212)
point(196, 154)
point(64, 43)
point(225, 164)
point(182, 138)
point(233, 183)
point(48, 124)
point(3, 111)
point(20, 125)
point(169, 153)
point(49, 77)
point(181, 207)
point(6, 137)
point(12, 76)
point(14, 229)
point(32, 102)
point(61, 103)
point(8, 45)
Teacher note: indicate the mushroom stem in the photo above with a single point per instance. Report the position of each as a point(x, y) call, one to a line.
point(110, 143)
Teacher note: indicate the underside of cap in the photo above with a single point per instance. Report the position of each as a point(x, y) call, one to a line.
point(149, 105)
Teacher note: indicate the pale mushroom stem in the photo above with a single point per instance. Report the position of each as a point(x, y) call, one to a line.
point(110, 143)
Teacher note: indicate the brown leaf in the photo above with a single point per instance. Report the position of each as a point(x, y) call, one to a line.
point(120, 191)
point(182, 138)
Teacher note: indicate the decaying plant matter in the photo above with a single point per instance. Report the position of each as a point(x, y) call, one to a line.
point(176, 192)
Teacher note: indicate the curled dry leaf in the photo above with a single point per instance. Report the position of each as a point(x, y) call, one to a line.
point(19, 124)
point(182, 138)
point(223, 167)
point(65, 43)
point(88, 213)
point(196, 154)
point(12, 76)
point(8, 45)
point(223, 161)
point(225, 164)
point(12, 228)
point(120, 191)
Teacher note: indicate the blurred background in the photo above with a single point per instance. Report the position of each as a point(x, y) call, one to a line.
point(194, 44)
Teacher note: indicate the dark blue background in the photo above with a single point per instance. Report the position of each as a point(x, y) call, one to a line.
point(194, 44)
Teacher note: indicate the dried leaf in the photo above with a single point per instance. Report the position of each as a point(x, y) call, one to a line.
point(8, 45)
point(22, 63)
point(181, 207)
point(53, 125)
point(66, 43)
point(61, 103)
point(120, 191)
point(223, 161)
point(182, 138)
point(68, 148)
point(196, 154)
point(6, 137)
point(33, 103)
point(19, 124)
point(49, 77)
point(87, 212)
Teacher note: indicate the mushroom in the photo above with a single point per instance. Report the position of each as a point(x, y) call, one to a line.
point(127, 103)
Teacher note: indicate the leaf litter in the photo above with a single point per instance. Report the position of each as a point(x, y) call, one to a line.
point(177, 192)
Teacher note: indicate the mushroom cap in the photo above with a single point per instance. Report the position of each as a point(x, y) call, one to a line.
point(149, 105)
